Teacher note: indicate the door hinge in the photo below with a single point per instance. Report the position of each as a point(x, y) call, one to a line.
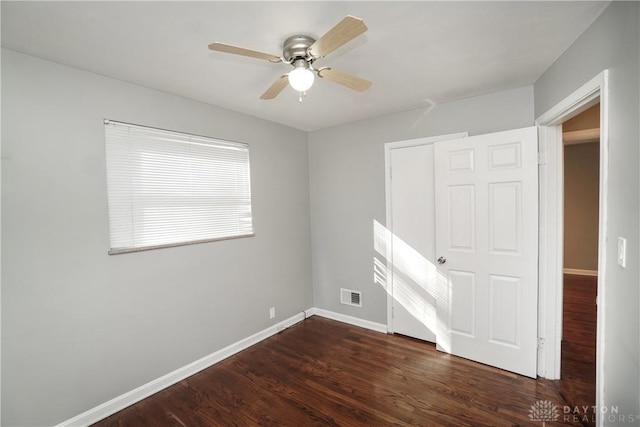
point(540, 345)
point(542, 158)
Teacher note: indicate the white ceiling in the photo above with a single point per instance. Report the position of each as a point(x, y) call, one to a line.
point(414, 52)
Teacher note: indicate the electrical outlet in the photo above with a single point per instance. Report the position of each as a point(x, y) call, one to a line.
point(272, 312)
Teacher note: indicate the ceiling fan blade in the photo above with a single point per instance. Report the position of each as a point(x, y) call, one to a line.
point(344, 79)
point(346, 30)
point(276, 88)
point(227, 48)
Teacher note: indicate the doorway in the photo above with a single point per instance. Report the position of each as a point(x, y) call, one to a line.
point(581, 165)
point(552, 225)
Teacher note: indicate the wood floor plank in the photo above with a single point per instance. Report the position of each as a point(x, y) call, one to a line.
point(578, 364)
point(325, 373)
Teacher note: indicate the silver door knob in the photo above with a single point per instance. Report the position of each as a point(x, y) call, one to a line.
point(442, 260)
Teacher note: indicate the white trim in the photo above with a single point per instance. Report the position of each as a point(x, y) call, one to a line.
point(127, 399)
point(388, 202)
point(580, 272)
point(0, 236)
point(550, 250)
point(582, 99)
point(355, 321)
point(551, 230)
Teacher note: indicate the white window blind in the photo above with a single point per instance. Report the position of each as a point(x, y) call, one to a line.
point(167, 188)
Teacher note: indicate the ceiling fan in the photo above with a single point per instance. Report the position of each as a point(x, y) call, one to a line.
point(301, 52)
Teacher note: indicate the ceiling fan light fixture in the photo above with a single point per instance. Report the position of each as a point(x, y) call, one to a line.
point(301, 51)
point(301, 78)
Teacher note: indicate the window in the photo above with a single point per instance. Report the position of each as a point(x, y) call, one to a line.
point(168, 188)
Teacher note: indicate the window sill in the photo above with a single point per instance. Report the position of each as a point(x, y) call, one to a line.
point(118, 251)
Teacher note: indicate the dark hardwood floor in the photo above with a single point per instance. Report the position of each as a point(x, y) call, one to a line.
point(578, 364)
point(325, 373)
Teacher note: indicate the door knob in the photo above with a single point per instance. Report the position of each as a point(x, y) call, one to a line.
point(442, 260)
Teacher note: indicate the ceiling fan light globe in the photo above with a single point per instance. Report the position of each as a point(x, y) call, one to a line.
point(301, 79)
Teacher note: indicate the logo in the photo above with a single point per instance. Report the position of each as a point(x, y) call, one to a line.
point(544, 410)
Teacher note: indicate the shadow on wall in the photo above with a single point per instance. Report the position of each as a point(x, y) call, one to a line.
point(413, 282)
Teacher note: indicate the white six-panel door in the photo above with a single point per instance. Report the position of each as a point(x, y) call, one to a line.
point(486, 236)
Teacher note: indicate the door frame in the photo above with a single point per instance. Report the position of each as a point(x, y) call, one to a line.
point(551, 224)
point(388, 147)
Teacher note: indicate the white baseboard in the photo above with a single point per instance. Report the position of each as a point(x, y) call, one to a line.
point(125, 400)
point(378, 327)
point(580, 272)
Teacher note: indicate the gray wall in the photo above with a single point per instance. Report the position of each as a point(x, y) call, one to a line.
point(581, 181)
point(348, 192)
point(612, 42)
point(80, 327)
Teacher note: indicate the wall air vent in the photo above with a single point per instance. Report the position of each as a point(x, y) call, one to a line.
point(350, 297)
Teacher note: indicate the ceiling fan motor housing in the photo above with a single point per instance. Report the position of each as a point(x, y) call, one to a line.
point(297, 47)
